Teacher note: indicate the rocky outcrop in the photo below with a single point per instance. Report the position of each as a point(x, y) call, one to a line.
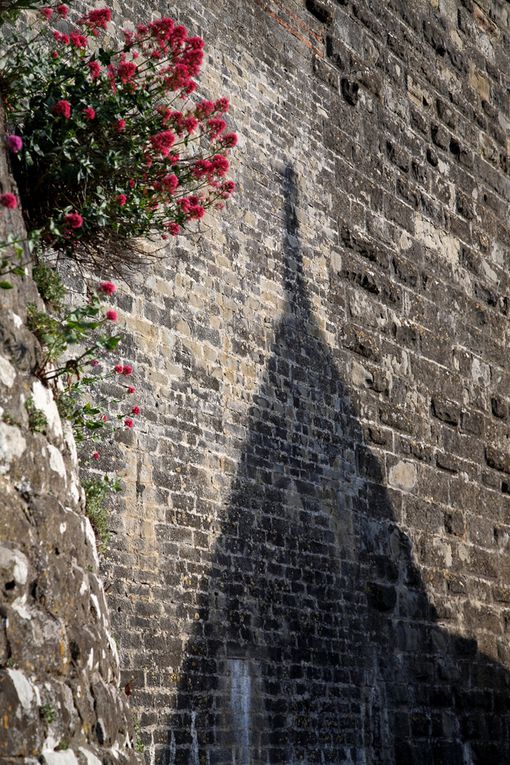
point(60, 699)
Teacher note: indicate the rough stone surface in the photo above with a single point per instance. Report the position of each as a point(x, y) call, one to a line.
point(60, 701)
point(311, 560)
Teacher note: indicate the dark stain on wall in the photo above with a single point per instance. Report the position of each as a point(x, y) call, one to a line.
point(317, 642)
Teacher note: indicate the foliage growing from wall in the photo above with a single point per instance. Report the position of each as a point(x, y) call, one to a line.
point(10, 9)
point(15, 253)
point(78, 360)
point(90, 384)
point(49, 284)
point(109, 141)
point(97, 492)
point(37, 421)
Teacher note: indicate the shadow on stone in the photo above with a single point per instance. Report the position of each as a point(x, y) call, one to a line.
point(316, 641)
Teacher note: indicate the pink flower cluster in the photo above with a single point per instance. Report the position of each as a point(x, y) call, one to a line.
point(78, 40)
point(123, 369)
point(191, 207)
point(163, 40)
point(170, 182)
point(126, 70)
point(94, 69)
point(60, 37)
point(15, 143)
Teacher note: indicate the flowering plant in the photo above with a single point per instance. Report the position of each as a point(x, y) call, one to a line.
point(111, 143)
point(77, 360)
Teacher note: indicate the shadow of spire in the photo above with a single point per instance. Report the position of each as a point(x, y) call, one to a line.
point(317, 642)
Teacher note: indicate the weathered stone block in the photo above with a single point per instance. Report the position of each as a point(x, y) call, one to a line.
point(382, 597)
point(445, 410)
point(497, 459)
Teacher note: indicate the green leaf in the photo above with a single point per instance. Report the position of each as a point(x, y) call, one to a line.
point(94, 425)
point(110, 343)
point(82, 325)
point(89, 409)
point(4, 285)
point(104, 56)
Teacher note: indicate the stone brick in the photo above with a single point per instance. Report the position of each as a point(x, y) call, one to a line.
point(479, 83)
point(447, 411)
point(499, 407)
point(497, 459)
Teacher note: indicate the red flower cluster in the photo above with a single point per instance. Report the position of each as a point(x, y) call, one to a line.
point(8, 200)
point(228, 140)
point(178, 147)
point(163, 142)
point(164, 40)
point(61, 38)
point(96, 19)
point(174, 228)
point(62, 108)
point(107, 288)
point(126, 70)
point(78, 40)
point(215, 126)
point(74, 220)
point(228, 188)
point(204, 109)
point(123, 369)
point(221, 105)
point(191, 207)
point(170, 183)
point(218, 166)
point(95, 69)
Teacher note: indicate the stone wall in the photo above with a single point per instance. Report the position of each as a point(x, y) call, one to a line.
point(311, 561)
point(60, 701)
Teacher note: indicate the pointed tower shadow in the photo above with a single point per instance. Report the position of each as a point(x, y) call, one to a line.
point(316, 641)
